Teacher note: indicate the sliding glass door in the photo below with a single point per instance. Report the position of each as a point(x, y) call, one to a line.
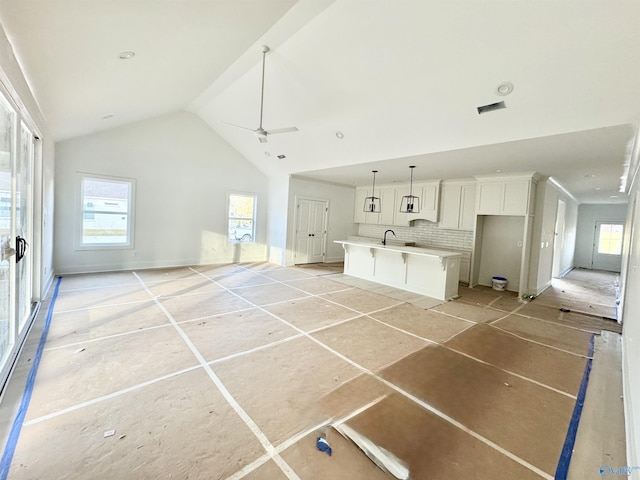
point(24, 225)
point(16, 230)
point(7, 130)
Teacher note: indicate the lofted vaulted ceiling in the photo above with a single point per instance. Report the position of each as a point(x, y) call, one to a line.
point(400, 79)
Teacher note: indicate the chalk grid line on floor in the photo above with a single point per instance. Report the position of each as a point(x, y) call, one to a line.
point(272, 452)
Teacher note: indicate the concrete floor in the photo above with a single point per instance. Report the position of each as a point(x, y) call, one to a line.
point(231, 371)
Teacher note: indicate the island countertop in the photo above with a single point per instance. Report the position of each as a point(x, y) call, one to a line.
point(401, 248)
point(426, 271)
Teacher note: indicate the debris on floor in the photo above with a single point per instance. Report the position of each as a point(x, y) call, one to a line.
point(323, 445)
point(382, 457)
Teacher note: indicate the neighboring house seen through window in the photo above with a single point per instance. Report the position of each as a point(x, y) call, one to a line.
point(242, 218)
point(107, 206)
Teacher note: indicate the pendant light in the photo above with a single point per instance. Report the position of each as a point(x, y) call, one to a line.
point(372, 203)
point(410, 203)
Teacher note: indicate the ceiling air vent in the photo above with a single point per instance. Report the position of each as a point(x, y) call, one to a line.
point(491, 107)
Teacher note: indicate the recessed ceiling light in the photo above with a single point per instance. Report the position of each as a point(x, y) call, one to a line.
point(498, 171)
point(613, 196)
point(505, 88)
point(268, 154)
point(126, 55)
point(281, 157)
point(340, 135)
point(597, 188)
point(590, 175)
point(107, 117)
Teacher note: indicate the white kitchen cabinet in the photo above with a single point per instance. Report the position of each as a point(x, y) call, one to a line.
point(359, 215)
point(429, 194)
point(506, 195)
point(468, 207)
point(434, 273)
point(465, 268)
point(458, 206)
point(387, 206)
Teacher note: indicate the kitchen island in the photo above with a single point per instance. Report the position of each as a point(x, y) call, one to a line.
point(429, 272)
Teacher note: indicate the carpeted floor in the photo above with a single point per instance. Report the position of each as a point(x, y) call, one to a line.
point(231, 371)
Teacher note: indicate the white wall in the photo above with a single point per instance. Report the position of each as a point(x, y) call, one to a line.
point(631, 331)
point(184, 172)
point(500, 254)
point(277, 218)
point(588, 215)
point(340, 217)
point(546, 210)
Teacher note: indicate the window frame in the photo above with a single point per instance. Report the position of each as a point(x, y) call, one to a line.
point(81, 212)
point(230, 218)
point(599, 237)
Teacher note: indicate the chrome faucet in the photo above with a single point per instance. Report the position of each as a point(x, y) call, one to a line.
point(384, 238)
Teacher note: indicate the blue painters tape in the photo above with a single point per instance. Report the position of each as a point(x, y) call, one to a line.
point(567, 450)
point(12, 441)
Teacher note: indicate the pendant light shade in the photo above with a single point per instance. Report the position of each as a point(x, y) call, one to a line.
point(410, 203)
point(372, 203)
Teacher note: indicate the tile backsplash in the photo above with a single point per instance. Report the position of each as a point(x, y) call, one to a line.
point(424, 233)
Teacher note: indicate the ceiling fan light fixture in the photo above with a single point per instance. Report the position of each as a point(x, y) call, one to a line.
point(372, 203)
point(260, 132)
point(410, 203)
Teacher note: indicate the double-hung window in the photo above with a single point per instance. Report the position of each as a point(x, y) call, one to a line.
point(242, 218)
point(610, 238)
point(106, 211)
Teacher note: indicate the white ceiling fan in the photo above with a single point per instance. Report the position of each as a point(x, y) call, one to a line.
point(260, 132)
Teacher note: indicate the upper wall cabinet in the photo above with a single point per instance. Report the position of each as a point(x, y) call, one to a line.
point(429, 194)
point(506, 194)
point(390, 201)
point(458, 205)
point(387, 206)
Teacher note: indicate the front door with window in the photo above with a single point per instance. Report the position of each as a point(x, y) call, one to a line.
point(607, 247)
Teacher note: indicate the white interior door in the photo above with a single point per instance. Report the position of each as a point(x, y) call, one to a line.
point(607, 246)
point(311, 230)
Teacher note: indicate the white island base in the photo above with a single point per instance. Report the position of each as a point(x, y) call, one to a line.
point(434, 273)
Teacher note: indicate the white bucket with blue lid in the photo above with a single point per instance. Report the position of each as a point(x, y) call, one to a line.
point(498, 283)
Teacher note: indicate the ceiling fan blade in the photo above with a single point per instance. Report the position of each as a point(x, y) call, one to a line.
point(282, 130)
point(260, 132)
point(237, 126)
